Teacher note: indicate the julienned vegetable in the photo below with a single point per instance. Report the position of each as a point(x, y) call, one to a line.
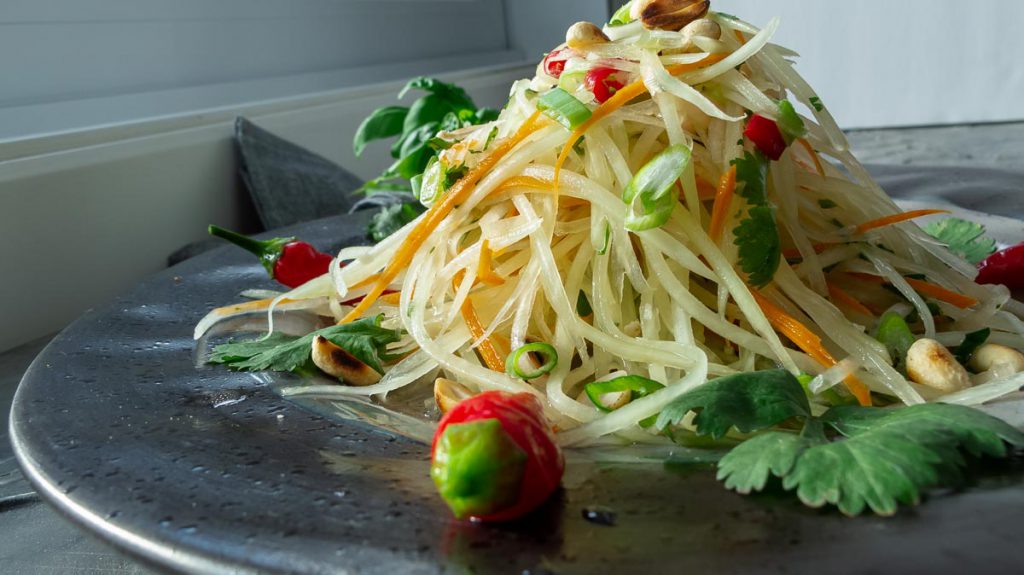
point(595, 225)
point(495, 458)
point(287, 260)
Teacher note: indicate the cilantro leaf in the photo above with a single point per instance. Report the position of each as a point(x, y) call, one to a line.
point(885, 456)
point(964, 238)
point(747, 401)
point(363, 339)
point(757, 235)
point(966, 350)
point(392, 218)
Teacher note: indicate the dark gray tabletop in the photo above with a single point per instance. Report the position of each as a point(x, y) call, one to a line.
point(37, 540)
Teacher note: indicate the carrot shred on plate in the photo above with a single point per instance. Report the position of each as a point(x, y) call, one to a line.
point(809, 342)
point(927, 288)
point(487, 349)
point(723, 201)
point(896, 219)
point(839, 295)
point(485, 270)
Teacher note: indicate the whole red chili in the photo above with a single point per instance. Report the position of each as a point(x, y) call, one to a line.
point(1005, 267)
point(494, 457)
point(554, 63)
point(604, 82)
point(766, 135)
point(287, 260)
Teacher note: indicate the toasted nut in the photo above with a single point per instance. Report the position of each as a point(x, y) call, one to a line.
point(993, 354)
point(930, 363)
point(669, 14)
point(704, 28)
point(611, 401)
point(448, 393)
point(583, 34)
point(337, 362)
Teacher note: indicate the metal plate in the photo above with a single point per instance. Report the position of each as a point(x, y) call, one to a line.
point(197, 469)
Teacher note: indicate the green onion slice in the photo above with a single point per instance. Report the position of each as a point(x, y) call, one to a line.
point(654, 185)
point(790, 123)
point(546, 351)
point(638, 386)
point(563, 108)
point(621, 16)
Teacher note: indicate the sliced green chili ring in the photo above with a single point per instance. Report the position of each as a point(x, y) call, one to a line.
point(546, 351)
point(607, 239)
point(564, 108)
point(640, 386)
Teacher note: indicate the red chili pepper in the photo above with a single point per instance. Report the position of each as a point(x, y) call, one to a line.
point(554, 63)
point(495, 457)
point(604, 83)
point(1005, 267)
point(287, 260)
point(767, 136)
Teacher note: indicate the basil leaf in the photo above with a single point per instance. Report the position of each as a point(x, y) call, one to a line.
point(383, 123)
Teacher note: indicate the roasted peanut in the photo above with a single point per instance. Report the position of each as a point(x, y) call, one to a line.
point(992, 354)
point(930, 363)
point(337, 362)
point(584, 34)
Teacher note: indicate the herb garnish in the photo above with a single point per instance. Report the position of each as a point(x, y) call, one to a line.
point(853, 457)
point(964, 238)
point(760, 249)
point(364, 339)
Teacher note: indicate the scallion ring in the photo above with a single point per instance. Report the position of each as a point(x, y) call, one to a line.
point(547, 353)
point(564, 108)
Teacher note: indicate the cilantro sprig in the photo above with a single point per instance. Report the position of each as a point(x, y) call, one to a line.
point(757, 236)
point(855, 458)
point(364, 339)
point(964, 238)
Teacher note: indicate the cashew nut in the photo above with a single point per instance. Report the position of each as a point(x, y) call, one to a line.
point(583, 34)
point(930, 363)
point(990, 355)
point(448, 393)
point(337, 362)
point(668, 14)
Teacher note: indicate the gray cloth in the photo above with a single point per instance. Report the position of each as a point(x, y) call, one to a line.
point(288, 183)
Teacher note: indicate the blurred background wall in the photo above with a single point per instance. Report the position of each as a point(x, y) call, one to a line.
point(116, 115)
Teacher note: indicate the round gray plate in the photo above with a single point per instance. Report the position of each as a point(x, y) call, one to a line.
point(198, 469)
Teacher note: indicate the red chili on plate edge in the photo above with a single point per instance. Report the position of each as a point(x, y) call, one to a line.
point(1005, 267)
point(287, 260)
point(494, 457)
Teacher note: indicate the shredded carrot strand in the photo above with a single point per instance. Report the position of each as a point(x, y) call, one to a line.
point(365, 282)
point(897, 218)
point(393, 298)
point(839, 295)
point(814, 156)
point(484, 270)
point(739, 36)
point(438, 212)
point(723, 201)
point(705, 190)
point(624, 96)
point(926, 288)
point(942, 294)
point(809, 342)
point(487, 348)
